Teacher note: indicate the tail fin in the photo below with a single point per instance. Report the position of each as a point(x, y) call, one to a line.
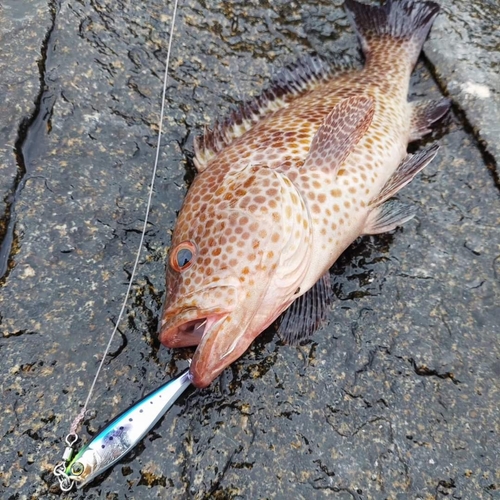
point(407, 22)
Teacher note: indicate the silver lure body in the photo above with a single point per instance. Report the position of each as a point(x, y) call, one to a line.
point(125, 431)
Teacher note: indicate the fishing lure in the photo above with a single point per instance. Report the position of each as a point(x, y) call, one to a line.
point(122, 434)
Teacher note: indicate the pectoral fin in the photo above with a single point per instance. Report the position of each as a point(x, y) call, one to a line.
point(339, 133)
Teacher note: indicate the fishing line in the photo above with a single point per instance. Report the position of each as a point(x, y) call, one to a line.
point(72, 437)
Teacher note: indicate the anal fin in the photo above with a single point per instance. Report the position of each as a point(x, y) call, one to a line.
point(405, 173)
point(305, 315)
point(386, 214)
point(425, 114)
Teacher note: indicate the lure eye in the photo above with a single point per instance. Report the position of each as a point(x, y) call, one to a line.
point(182, 256)
point(77, 469)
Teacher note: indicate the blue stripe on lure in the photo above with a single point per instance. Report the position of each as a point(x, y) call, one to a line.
point(124, 432)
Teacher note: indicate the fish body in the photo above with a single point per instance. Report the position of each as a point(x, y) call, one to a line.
point(287, 183)
point(122, 433)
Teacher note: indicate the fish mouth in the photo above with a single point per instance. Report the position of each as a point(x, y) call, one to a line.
point(222, 345)
point(218, 337)
point(189, 332)
point(195, 327)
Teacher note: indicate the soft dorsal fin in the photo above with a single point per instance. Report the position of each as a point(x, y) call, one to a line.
point(339, 133)
point(425, 114)
point(305, 315)
point(406, 171)
point(291, 81)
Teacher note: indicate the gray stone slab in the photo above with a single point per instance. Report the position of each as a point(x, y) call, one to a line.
point(397, 395)
point(23, 32)
point(465, 52)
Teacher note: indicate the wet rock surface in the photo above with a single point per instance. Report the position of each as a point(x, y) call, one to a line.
point(397, 395)
point(465, 53)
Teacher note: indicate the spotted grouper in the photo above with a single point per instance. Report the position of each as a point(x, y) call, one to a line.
point(287, 182)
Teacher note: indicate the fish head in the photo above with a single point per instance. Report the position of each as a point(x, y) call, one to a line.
point(229, 247)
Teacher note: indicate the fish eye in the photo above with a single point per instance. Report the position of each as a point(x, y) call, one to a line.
point(77, 469)
point(182, 256)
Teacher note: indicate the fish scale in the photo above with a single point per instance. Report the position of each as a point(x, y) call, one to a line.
point(287, 182)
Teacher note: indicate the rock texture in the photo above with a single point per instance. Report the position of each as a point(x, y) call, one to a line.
point(396, 397)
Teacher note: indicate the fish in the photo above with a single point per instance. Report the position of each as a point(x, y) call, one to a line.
point(287, 182)
point(121, 435)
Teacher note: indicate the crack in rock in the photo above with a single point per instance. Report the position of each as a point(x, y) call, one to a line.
point(28, 132)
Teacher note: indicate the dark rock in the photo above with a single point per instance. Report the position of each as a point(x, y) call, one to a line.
point(396, 397)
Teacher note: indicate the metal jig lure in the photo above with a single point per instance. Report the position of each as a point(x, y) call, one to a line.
point(121, 435)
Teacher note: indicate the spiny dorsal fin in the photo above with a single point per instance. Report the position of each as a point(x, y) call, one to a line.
point(406, 171)
point(305, 315)
point(291, 81)
point(339, 133)
point(388, 216)
point(425, 114)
